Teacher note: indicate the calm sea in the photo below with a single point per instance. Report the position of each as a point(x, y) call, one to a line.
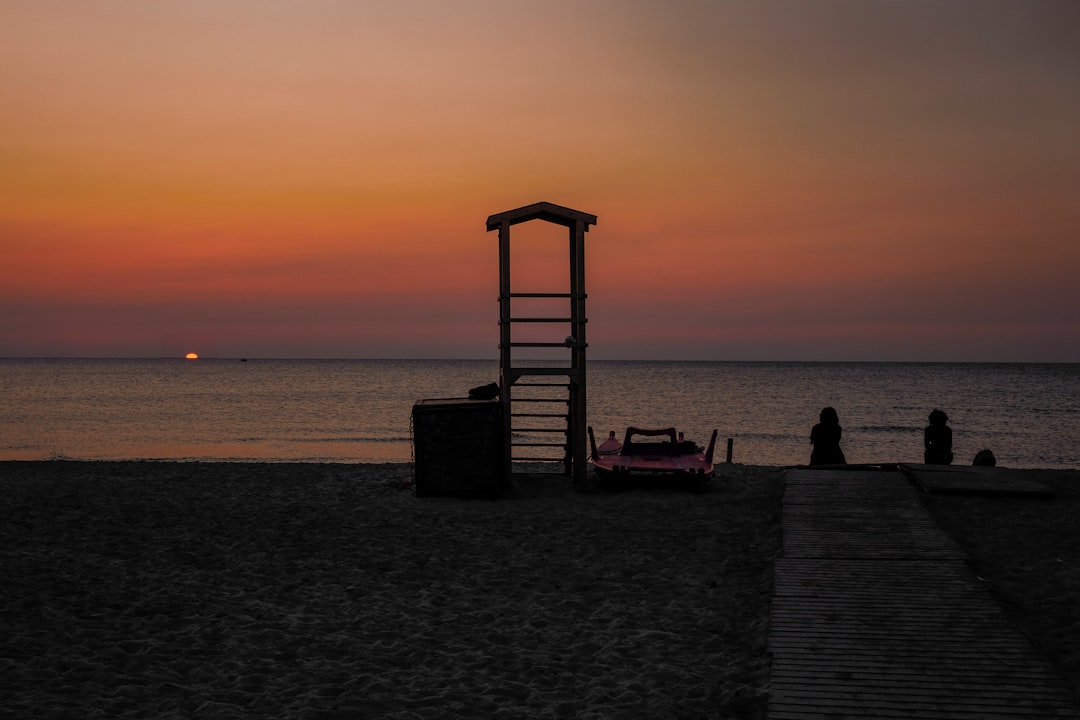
point(360, 410)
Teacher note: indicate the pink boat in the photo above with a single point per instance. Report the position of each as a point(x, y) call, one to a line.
point(670, 456)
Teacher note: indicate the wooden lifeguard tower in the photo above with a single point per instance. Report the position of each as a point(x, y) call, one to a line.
point(544, 404)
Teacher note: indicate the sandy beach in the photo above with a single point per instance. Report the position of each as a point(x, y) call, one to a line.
point(205, 590)
point(1027, 552)
point(228, 590)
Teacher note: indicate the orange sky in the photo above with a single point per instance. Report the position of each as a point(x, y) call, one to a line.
point(835, 180)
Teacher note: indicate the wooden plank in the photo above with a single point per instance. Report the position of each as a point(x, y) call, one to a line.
point(949, 682)
point(871, 515)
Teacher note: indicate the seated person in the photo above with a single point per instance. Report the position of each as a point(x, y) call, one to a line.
point(937, 440)
point(825, 437)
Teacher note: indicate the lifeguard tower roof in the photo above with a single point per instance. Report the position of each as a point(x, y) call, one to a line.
point(542, 211)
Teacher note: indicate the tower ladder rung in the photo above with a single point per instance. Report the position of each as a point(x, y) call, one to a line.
point(539, 400)
point(542, 320)
point(523, 372)
point(529, 385)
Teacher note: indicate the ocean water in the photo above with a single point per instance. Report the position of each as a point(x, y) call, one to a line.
point(360, 410)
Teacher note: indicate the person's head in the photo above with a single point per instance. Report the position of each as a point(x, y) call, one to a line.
point(938, 417)
point(829, 417)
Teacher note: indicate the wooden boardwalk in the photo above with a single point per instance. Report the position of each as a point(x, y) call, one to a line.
point(876, 614)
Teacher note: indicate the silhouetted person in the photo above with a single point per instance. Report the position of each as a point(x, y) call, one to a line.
point(937, 440)
point(825, 437)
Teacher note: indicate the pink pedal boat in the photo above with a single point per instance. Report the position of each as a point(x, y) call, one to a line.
point(672, 456)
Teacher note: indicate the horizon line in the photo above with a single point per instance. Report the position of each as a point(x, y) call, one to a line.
point(247, 358)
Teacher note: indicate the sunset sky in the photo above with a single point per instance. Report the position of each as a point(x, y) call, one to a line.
point(827, 180)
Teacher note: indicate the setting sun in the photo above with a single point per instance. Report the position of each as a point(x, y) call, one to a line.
point(192, 356)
